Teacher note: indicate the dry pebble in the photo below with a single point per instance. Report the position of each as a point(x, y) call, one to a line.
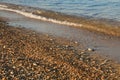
point(28, 55)
point(90, 49)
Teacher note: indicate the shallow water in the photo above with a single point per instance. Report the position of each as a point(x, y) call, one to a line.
point(109, 9)
point(103, 44)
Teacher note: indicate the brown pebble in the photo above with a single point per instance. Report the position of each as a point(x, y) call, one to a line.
point(4, 79)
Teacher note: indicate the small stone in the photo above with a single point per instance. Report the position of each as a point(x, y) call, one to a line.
point(76, 42)
point(4, 46)
point(82, 52)
point(90, 49)
point(20, 64)
point(34, 64)
point(51, 48)
point(51, 39)
point(82, 56)
point(47, 77)
point(81, 59)
point(14, 67)
point(66, 46)
point(4, 79)
point(11, 72)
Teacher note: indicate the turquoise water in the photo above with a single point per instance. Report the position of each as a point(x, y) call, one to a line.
point(109, 9)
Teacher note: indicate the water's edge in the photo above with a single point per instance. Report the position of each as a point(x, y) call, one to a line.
point(100, 25)
point(102, 44)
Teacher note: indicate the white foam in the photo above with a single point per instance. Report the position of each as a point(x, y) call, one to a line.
point(30, 15)
point(3, 6)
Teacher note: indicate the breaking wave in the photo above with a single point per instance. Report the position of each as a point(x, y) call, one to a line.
point(30, 15)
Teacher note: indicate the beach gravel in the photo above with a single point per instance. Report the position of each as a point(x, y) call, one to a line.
point(28, 55)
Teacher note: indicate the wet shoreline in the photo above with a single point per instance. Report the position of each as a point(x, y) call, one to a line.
point(103, 44)
point(106, 26)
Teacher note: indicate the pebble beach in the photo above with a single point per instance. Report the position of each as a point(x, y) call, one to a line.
point(29, 55)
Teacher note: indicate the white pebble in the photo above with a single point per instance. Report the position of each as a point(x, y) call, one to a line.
point(76, 42)
point(90, 49)
point(4, 46)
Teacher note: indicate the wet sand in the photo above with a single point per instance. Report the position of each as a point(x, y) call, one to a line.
point(26, 54)
point(103, 44)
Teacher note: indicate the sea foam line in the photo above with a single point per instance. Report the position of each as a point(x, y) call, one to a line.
point(33, 16)
point(4, 6)
point(30, 15)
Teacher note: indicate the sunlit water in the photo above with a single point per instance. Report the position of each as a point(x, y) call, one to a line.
point(109, 9)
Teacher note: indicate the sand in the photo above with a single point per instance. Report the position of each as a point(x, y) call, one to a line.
point(29, 55)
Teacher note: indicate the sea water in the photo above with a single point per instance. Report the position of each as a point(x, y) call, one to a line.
point(109, 9)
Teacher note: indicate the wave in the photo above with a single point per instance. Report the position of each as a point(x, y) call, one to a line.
point(30, 15)
point(59, 18)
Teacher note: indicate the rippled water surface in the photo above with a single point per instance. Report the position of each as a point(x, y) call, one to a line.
point(96, 8)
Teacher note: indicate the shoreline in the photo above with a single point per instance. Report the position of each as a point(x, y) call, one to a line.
point(27, 54)
point(105, 45)
point(105, 26)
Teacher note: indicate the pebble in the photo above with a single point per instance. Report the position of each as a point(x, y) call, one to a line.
point(44, 66)
point(81, 59)
point(66, 46)
point(34, 64)
point(90, 49)
point(51, 48)
point(76, 42)
point(51, 39)
point(14, 67)
point(4, 79)
point(11, 72)
point(4, 46)
point(82, 52)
